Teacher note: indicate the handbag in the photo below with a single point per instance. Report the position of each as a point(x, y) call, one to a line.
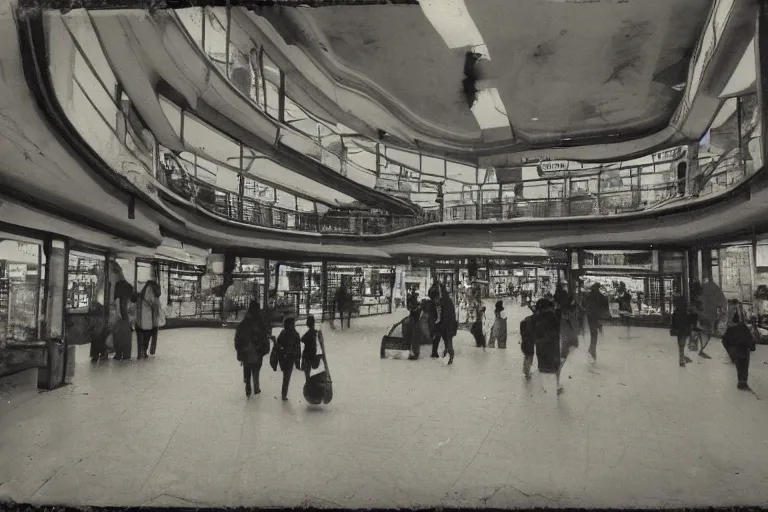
point(673, 331)
point(273, 360)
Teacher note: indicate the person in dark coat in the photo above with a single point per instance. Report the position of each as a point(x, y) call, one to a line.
point(477, 330)
point(413, 335)
point(561, 296)
point(528, 343)
point(288, 348)
point(251, 345)
point(547, 331)
point(309, 355)
point(683, 322)
point(738, 342)
point(97, 330)
point(597, 306)
point(447, 325)
point(343, 304)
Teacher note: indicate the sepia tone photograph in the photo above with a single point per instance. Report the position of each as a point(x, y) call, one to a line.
point(383, 254)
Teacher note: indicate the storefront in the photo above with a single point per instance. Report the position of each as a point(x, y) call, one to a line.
point(248, 284)
point(652, 278)
point(371, 286)
point(87, 301)
point(22, 269)
point(296, 289)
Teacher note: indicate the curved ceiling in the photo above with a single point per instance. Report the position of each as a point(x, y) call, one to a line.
point(33, 151)
point(600, 80)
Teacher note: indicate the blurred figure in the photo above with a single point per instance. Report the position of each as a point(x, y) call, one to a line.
point(570, 317)
point(738, 342)
point(528, 343)
point(309, 358)
point(561, 296)
point(416, 330)
point(446, 325)
point(477, 328)
point(597, 306)
point(683, 323)
point(148, 312)
point(288, 348)
point(251, 345)
point(547, 333)
point(499, 328)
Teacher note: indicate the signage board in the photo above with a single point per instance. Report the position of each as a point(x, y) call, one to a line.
point(553, 166)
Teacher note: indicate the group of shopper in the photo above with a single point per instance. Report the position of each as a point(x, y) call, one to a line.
point(254, 341)
point(551, 332)
point(698, 322)
point(146, 319)
point(431, 321)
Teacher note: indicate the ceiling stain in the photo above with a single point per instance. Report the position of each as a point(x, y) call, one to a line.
point(627, 49)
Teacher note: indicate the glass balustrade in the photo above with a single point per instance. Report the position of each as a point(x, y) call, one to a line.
point(219, 173)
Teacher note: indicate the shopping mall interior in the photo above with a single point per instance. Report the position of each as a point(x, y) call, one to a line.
point(417, 186)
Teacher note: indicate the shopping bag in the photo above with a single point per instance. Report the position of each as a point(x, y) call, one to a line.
point(273, 359)
point(110, 343)
point(161, 317)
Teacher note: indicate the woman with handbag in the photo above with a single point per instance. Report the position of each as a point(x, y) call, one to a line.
point(286, 353)
point(251, 345)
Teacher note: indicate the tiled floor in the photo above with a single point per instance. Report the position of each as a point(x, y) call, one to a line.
point(635, 430)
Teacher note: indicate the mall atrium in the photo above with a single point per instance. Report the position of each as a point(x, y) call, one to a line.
point(495, 160)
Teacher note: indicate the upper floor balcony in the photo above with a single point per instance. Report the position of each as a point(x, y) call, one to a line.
point(232, 180)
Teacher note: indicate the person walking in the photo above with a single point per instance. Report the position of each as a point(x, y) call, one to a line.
point(528, 343)
point(570, 317)
point(147, 318)
point(309, 358)
point(413, 333)
point(288, 349)
point(251, 345)
point(499, 328)
point(682, 328)
point(597, 306)
point(738, 342)
point(477, 328)
point(547, 334)
point(446, 326)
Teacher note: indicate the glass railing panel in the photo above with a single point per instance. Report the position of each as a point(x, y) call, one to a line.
point(172, 113)
point(215, 39)
point(460, 172)
point(192, 20)
point(252, 189)
point(403, 157)
point(205, 140)
point(751, 134)
point(435, 167)
point(272, 86)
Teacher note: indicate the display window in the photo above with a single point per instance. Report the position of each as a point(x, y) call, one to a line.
point(86, 281)
point(22, 269)
point(371, 287)
point(248, 279)
point(296, 289)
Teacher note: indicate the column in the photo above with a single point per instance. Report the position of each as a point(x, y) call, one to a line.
point(662, 288)
point(53, 326)
point(761, 71)
point(267, 277)
point(687, 276)
point(324, 291)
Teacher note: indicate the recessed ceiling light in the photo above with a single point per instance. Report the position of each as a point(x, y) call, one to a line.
point(534, 119)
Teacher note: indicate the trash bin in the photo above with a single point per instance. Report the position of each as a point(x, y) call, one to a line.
point(51, 376)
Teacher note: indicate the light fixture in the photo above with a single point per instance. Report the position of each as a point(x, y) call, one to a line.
point(534, 119)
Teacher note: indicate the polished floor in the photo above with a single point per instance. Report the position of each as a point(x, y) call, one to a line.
point(176, 430)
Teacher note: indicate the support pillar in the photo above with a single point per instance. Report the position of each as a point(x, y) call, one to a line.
point(324, 291)
point(60, 356)
point(761, 72)
point(687, 276)
point(265, 298)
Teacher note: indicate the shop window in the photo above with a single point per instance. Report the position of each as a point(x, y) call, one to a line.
point(86, 279)
point(22, 268)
